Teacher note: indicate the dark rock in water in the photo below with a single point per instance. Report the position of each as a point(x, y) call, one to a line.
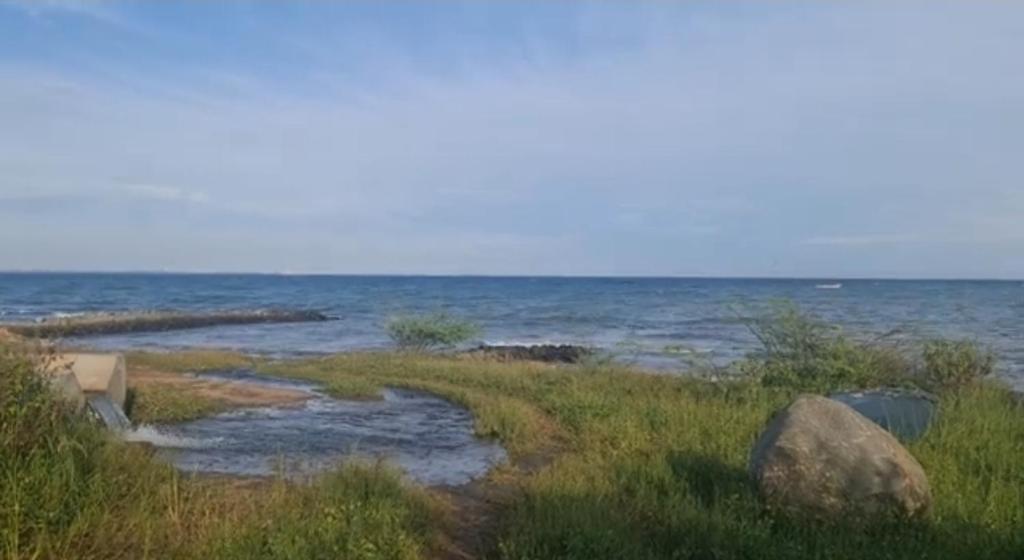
point(552, 353)
point(905, 414)
point(115, 323)
point(820, 458)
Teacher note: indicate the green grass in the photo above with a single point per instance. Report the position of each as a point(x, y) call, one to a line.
point(637, 466)
point(68, 491)
point(191, 360)
point(157, 404)
point(356, 512)
point(655, 467)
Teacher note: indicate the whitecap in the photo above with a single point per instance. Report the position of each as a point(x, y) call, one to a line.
point(150, 434)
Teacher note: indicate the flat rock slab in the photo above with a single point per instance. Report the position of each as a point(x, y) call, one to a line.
point(116, 323)
point(96, 373)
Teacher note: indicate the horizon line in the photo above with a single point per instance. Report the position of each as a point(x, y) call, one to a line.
point(144, 272)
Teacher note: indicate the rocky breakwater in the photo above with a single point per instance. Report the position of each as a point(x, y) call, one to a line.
point(550, 353)
point(155, 321)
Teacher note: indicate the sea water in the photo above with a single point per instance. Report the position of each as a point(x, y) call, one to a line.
point(638, 318)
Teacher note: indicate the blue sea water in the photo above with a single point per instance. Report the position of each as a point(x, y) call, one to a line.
point(640, 316)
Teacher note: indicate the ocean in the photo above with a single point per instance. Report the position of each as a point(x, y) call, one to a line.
point(637, 318)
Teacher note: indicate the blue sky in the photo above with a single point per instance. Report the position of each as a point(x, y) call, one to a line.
point(722, 139)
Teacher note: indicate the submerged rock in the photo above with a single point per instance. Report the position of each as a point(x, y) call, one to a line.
point(115, 323)
point(552, 353)
point(820, 458)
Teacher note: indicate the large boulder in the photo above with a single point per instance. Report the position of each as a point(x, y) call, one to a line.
point(821, 458)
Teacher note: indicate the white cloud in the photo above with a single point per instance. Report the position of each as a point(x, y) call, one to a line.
point(101, 10)
point(864, 240)
point(715, 143)
point(163, 193)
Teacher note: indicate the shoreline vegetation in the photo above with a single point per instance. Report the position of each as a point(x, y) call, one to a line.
point(606, 461)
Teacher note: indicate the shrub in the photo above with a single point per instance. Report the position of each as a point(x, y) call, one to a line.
point(428, 332)
point(950, 365)
point(801, 352)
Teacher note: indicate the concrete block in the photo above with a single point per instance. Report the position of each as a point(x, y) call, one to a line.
point(98, 373)
point(66, 385)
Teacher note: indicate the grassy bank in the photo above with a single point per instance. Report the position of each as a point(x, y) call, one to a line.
point(654, 467)
point(623, 465)
point(68, 491)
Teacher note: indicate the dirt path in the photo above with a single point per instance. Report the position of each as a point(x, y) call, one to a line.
point(475, 523)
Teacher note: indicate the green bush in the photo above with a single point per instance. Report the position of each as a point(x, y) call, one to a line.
point(428, 332)
point(800, 352)
point(950, 365)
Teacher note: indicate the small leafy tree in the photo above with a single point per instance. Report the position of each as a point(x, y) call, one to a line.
point(430, 332)
point(802, 352)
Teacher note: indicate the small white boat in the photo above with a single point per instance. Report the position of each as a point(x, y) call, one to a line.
point(835, 286)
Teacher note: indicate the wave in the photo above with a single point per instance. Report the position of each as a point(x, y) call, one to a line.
point(529, 343)
point(834, 286)
point(67, 314)
point(150, 434)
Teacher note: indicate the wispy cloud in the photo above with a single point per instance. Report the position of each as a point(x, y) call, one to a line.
point(701, 139)
point(864, 240)
point(163, 193)
point(102, 10)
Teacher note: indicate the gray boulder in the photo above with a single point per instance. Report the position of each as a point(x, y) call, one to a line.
point(821, 458)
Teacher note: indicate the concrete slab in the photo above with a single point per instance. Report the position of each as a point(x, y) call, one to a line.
point(97, 373)
point(66, 385)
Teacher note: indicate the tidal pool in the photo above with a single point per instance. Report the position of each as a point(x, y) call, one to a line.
point(429, 438)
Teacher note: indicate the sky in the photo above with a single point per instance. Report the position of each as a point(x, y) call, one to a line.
point(803, 139)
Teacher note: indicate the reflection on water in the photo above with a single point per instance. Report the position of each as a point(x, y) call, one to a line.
point(431, 439)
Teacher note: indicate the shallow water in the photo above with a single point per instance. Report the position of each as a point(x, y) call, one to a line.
point(625, 315)
point(109, 413)
point(429, 438)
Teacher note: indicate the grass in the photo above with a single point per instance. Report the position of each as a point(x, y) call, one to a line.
point(161, 405)
point(191, 360)
point(156, 404)
point(637, 466)
point(654, 467)
point(68, 491)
